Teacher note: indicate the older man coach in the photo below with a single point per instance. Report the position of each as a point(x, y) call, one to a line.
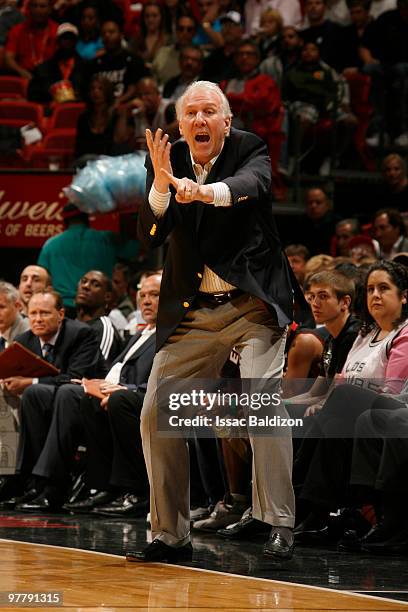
point(225, 283)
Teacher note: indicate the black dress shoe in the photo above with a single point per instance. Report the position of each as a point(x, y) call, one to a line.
point(247, 526)
point(349, 542)
point(378, 534)
point(99, 498)
point(10, 504)
point(159, 551)
point(395, 544)
point(130, 506)
point(312, 528)
point(278, 548)
point(40, 504)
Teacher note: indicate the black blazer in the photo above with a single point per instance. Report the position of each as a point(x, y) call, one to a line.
point(76, 352)
point(136, 371)
point(239, 243)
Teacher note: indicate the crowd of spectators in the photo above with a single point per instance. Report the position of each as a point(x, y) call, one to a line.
point(289, 69)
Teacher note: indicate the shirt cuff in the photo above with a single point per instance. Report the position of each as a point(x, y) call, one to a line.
point(35, 381)
point(222, 194)
point(159, 202)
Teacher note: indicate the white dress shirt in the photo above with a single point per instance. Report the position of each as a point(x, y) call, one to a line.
point(113, 376)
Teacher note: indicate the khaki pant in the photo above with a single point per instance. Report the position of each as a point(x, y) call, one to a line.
point(198, 349)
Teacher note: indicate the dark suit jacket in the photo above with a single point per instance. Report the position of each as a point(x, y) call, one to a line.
point(136, 371)
point(76, 352)
point(239, 243)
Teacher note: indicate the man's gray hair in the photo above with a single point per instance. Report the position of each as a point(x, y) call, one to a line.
point(209, 86)
point(10, 291)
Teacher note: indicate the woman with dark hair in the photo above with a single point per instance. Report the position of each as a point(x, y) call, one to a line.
point(153, 34)
point(96, 124)
point(89, 43)
point(377, 363)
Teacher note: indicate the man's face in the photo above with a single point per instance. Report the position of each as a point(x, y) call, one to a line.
point(119, 282)
point(9, 309)
point(359, 16)
point(45, 319)
point(147, 90)
point(231, 32)
point(325, 305)
point(315, 10)
point(362, 251)
point(290, 39)
point(206, 5)
point(32, 279)
point(191, 63)
point(111, 36)
point(92, 290)
point(89, 19)
point(185, 31)
point(203, 124)
point(66, 45)
point(316, 204)
point(344, 233)
point(148, 298)
point(246, 59)
point(385, 233)
point(394, 172)
point(298, 263)
point(39, 11)
point(310, 53)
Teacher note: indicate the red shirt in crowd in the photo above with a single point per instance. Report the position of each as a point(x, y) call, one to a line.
point(32, 46)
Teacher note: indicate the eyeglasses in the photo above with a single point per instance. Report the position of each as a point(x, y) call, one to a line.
point(313, 297)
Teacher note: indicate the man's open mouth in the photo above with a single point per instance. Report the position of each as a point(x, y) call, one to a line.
point(202, 137)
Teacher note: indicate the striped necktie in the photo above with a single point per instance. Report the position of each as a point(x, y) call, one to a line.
point(47, 351)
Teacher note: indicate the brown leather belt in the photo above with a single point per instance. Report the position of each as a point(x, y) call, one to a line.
point(220, 298)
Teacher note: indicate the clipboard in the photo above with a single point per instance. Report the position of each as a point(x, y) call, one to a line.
point(17, 360)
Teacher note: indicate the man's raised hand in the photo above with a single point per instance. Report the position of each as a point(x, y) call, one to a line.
point(159, 149)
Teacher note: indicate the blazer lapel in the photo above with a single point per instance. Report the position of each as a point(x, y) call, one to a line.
point(122, 355)
point(146, 344)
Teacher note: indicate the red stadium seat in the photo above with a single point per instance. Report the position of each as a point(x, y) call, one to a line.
point(13, 87)
point(56, 149)
point(60, 139)
point(65, 116)
point(17, 113)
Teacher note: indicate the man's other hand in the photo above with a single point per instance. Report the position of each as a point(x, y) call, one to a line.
point(188, 191)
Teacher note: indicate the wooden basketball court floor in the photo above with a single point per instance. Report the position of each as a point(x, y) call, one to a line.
point(60, 555)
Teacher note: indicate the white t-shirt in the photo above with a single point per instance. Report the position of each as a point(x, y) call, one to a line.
point(379, 365)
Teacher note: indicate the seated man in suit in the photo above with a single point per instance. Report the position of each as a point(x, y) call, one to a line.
point(111, 429)
point(11, 325)
point(73, 348)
